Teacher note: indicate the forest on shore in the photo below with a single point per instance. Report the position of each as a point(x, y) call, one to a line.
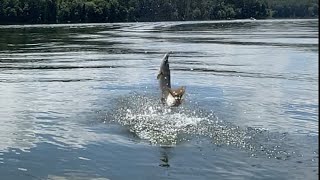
point(87, 11)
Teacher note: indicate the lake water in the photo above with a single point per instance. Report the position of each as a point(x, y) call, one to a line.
point(81, 101)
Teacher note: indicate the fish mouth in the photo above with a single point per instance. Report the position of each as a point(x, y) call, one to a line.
point(166, 56)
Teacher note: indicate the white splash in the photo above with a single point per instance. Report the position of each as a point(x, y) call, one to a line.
point(156, 123)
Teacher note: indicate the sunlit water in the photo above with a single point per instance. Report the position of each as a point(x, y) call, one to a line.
point(81, 101)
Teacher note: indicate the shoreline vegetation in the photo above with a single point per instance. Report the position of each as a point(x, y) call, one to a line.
point(109, 11)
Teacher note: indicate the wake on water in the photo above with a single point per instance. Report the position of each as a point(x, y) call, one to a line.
point(146, 117)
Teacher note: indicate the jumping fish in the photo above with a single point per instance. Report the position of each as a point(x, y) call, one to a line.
point(169, 96)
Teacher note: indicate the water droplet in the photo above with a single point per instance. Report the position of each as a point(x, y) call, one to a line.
point(22, 169)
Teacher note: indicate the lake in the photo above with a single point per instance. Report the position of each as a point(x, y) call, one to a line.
point(81, 101)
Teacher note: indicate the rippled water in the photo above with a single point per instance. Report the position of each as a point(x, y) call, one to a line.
point(81, 101)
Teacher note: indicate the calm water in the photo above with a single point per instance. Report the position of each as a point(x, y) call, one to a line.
point(82, 101)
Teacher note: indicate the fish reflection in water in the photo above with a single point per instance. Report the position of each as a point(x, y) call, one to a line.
point(165, 157)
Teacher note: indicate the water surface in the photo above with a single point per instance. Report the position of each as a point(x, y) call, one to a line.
point(81, 101)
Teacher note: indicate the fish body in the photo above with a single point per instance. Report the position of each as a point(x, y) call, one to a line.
point(169, 96)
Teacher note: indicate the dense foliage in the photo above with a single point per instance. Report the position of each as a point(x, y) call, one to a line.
point(61, 11)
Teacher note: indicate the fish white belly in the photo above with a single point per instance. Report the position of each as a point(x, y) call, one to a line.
point(171, 101)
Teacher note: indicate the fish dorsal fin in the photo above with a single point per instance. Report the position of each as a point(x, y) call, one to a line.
point(178, 92)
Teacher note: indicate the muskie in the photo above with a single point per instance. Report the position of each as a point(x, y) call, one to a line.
point(171, 97)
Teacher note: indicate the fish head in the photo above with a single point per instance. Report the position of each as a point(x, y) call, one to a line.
point(164, 67)
point(165, 60)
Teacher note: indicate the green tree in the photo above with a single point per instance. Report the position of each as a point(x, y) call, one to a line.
point(62, 11)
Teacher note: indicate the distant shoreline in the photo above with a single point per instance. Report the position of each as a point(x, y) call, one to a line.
point(217, 20)
point(116, 11)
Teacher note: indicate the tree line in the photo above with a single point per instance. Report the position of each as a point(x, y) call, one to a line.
point(84, 11)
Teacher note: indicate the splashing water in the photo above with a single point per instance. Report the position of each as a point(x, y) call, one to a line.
point(147, 118)
point(150, 120)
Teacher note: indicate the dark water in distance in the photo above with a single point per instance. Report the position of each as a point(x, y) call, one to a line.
point(81, 101)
